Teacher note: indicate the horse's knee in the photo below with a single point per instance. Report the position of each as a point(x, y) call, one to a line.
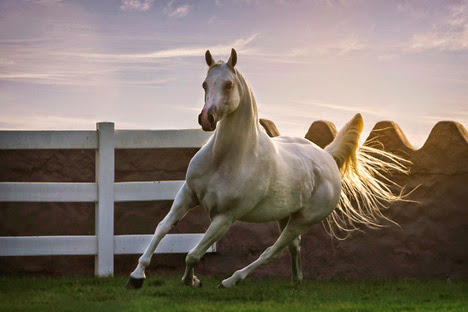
point(143, 261)
point(297, 242)
point(295, 247)
point(274, 256)
point(269, 255)
point(162, 228)
point(191, 259)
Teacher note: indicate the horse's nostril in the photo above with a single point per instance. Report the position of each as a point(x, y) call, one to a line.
point(210, 118)
point(199, 119)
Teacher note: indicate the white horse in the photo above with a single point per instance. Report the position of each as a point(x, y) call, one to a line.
point(243, 174)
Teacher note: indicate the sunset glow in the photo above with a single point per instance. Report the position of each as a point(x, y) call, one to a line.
point(140, 63)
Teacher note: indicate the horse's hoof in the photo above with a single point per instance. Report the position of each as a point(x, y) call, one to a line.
point(196, 282)
point(220, 286)
point(134, 283)
point(296, 281)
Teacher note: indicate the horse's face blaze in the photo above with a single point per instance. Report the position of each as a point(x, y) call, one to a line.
point(222, 95)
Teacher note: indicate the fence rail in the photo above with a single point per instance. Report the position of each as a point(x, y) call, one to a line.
point(104, 192)
point(131, 139)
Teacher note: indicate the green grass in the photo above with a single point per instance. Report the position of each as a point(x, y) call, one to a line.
point(166, 293)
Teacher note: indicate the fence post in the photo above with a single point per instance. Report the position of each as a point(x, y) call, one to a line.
point(104, 261)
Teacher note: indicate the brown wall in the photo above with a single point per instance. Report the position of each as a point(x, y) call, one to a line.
point(431, 242)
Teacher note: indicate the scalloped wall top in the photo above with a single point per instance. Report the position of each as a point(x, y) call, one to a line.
point(269, 127)
point(444, 152)
point(388, 135)
point(321, 132)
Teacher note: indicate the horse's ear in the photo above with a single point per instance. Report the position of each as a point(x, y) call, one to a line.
point(233, 58)
point(208, 58)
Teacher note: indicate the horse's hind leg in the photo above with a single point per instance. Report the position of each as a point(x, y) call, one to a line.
point(293, 229)
point(295, 252)
point(183, 202)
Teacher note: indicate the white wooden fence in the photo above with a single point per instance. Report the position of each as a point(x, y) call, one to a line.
point(104, 192)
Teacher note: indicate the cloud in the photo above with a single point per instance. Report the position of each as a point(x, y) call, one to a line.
point(52, 76)
point(346, 108)
point(5, 61)
point(81, 78)
point(342, 47)
point(212, 19)
point(350, 44)
point(145, 83)
point(177, 12)
point(72, 76)
point(81, 69)
point(239, 44)
point(45, 2)
point(44, 122)
point(51, 122)
point(449, 33)
point(439, 41)
point(265, 3)
point(186, 108)
point(462, 117)
point(332, 47)
point(136, 5)
point(387, 57)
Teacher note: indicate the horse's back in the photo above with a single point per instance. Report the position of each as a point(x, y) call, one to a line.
point(288, 139)
point(292, 149)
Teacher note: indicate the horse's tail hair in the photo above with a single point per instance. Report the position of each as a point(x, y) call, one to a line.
point(365, 187)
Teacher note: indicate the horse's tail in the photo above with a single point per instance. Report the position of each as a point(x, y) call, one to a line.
point(365, 188)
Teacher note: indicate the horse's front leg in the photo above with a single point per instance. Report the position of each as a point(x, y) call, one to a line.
point(184, 201)
point(218, 227)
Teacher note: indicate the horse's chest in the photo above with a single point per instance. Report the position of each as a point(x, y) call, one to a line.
point(223, 190)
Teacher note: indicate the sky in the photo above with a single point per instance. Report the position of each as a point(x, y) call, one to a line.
point(67, 64)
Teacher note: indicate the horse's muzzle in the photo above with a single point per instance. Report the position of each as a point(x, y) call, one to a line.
point(208, 120)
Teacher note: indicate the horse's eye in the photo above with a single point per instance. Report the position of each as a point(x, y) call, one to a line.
point(228, 86)
point(204, 85)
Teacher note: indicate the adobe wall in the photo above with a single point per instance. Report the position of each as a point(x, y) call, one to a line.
point(431, 241)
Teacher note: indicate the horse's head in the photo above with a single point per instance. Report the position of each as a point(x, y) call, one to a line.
point(222, 93)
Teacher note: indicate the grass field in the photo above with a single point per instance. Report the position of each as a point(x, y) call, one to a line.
point(166, 293)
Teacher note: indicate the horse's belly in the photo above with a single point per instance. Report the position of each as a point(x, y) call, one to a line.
point(267, 211)
point(288, 192)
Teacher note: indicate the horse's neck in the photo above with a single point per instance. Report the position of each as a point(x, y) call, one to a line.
point(238, 133)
